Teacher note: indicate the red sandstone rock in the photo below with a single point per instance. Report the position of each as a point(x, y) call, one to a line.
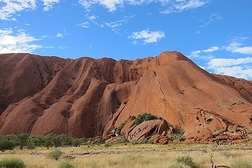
point(87, 97)
point(127, 127)
point(143, 130)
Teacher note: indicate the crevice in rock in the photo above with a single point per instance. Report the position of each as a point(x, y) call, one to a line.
point(40, 73)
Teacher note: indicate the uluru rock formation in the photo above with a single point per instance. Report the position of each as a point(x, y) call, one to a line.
point(89, 97)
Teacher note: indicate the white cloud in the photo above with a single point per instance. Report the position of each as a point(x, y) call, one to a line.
point(236, 47)
point(170, 5)
point(236, 71)
point(224, 62)
point(182, 5)
point(11, 7)
point(197, 53)
point(49, 3)
point(191, 4)
point(16, 43)
point(60, 35)
point(211, 49)
point(109, 4)
point(239, 67)
point(147, 36)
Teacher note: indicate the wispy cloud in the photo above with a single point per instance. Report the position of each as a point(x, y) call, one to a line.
point(11, 7)
point(113, 25)
point(48, 4)
point(84, 25)
point(109, 4)
point(198, 53)
point(226, 62)
point(182, 5)
point(239, 67)
point(17, 43)
point(236, 47)
point(212, 18)
point(147, 36)
point(170, 5)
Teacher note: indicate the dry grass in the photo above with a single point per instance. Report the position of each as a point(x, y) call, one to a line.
point(135, 156)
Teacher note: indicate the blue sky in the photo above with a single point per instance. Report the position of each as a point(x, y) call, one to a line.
point(215, 34)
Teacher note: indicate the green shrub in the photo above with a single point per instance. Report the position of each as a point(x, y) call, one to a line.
point(241, 164)
point(12, 163)
point(6, 145)
point(55, 154)
point(22, 140)
point(108, 144)
point(65, 164)
point(36, 140)
point(76, 142)
point(122, 139)
point(177, 134)
point(30, 145)
point(68, 157)
point(119, 129)
point(143, 117)
point(188, 161)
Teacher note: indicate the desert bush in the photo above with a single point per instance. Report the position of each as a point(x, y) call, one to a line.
point(177, 134)
point(30, 145)
point(55, 154)
point(65, 164)
point(64, 140)
point(6, 144)
point(241, 164)
point(185, 161)
point(68, 157)
point(76, 142)
point(12, 163)
point(122, 139)
point(119, 129)
point(226, 154)
point(143, 117)
point(108, 144)
point(22, 140)
point(36, 140)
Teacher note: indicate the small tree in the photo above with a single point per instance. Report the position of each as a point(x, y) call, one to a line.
point(22, 139)
point(36, 140)
point(48, 143)
point(76, 142)
point(30, 145)
point(56, 142)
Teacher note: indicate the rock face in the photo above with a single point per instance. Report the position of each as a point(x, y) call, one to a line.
point(88, 97)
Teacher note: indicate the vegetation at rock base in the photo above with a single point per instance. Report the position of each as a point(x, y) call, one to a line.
point(6, 144)
point(9, 142)
point(143, 117)
point(118, 129)
point(177, 134)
